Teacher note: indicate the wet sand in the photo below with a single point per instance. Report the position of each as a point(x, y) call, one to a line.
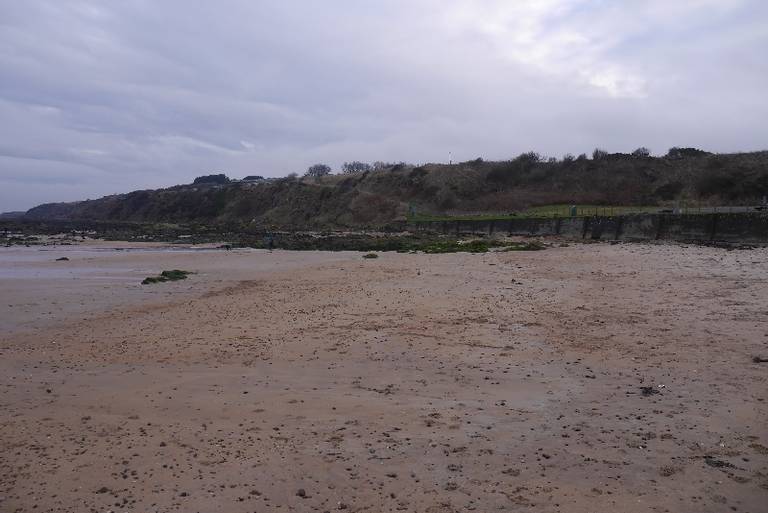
point(578, 379)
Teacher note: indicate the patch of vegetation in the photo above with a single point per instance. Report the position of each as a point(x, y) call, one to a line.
point(479, 246)
point(404, 243)
point(174, 275)
point(346, 242)
point(586, 210)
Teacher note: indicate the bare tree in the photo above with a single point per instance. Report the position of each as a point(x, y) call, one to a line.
point(318, 170)
point(355, 166)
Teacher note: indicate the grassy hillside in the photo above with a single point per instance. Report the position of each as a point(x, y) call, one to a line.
point(374, 198)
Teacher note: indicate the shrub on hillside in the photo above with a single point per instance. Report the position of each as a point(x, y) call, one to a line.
point(669, 191)
point(680, 153)
point(515, 171)
point(641, 152)
point(220, 179)
point(733, 185)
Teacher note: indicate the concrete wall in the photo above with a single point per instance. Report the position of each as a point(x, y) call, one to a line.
point(744, 227)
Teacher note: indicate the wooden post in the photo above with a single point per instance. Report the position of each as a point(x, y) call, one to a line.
point(619, 222)
point(660, 226)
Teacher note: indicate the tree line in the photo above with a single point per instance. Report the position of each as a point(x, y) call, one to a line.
point(354, 167)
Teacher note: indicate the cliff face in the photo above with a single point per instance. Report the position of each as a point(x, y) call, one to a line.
point(378, 197)
point(280, 203)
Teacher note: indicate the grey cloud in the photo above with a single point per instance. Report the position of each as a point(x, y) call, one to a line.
point(101, 97)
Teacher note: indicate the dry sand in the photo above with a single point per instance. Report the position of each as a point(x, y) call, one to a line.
point(316, 381)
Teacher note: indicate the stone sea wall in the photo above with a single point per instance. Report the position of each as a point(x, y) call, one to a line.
point(739, 227)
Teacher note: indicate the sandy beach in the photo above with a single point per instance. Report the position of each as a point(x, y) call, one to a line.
point(582, 378)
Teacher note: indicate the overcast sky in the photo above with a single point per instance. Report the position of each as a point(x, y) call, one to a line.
point(98, 97)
